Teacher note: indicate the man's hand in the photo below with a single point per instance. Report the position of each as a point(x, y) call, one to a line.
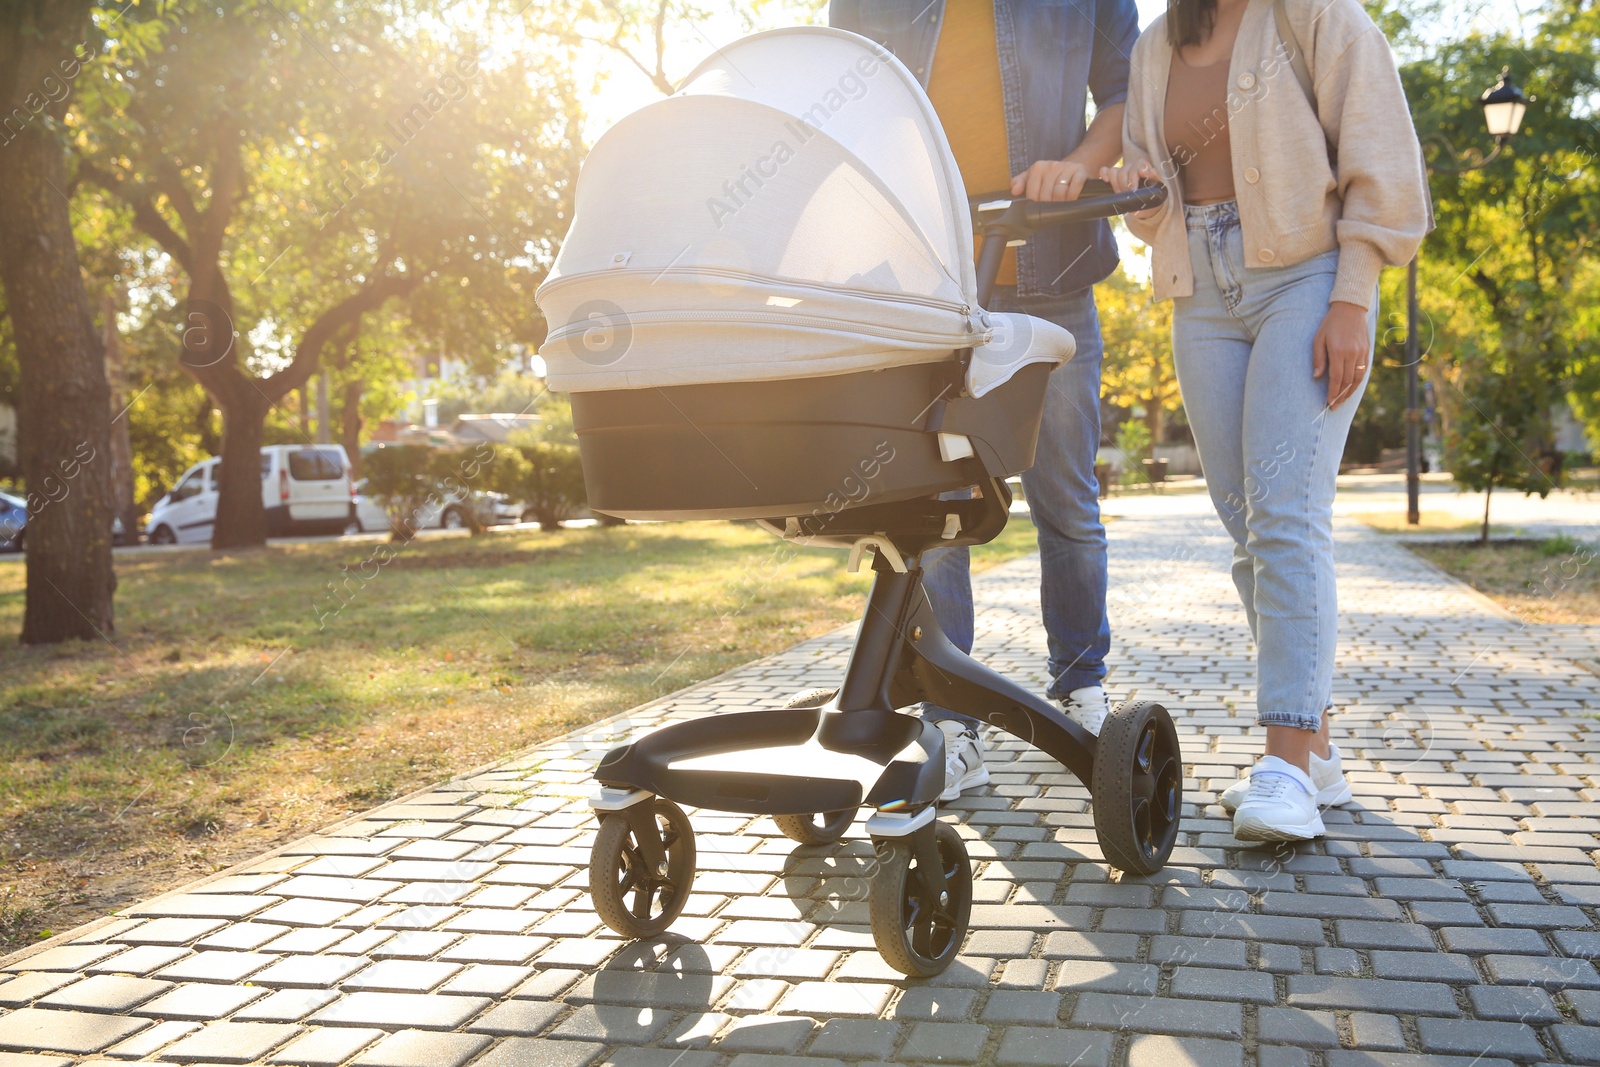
point(1051, 179)
point(1341, 350)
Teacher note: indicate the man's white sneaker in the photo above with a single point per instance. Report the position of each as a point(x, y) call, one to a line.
point(1326, 774)
point(963, 759)
point(1280, 806)
point(1088, 708)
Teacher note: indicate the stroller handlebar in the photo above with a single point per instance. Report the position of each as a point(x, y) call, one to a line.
point(1002, 219)
point(1017, 217)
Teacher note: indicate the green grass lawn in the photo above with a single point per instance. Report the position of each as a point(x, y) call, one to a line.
point(1551, 581)
point(249, 698)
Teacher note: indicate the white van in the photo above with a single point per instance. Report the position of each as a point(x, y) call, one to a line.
point(305, 489)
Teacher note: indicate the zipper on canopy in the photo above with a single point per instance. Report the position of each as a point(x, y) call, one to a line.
point(786, 283)
point(964, 340)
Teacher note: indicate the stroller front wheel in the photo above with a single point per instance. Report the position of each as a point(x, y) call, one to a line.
point(1138, 787)
point(633, 896)
point(919, 915)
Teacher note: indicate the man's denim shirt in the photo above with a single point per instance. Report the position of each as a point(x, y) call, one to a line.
point(1053, 53)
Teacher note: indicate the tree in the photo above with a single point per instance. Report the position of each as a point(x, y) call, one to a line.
point(62, 396)
point(545, 477)
point(1137, 329)
point(399, 168)
point(1514, 248)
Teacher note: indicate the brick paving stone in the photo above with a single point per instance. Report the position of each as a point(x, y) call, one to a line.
point(613, 1024)
point(424, 1011)
point(285, 1006)
point(217, 966)
point(1159, 1050)
point(204, 906)
point(1370, 1030)
point(230, 1042)
point(1551, 972)
point(1025, 1006)
point(542, 1052)
point(944, 1043)
point(401, 976)
point(24, 989)
point(1036, 1046)
point(148, 1041)
point(930, 1002)
point(309, 972)
point(105, 993)
point(1076, 975)
point(766, 1033)
point(487, 980)
point(1158, 1015)
point(42, 1030)
point(837, 998)
point(1578, 1044)
point(1295, 1026)
point(1528, 1004)
point(325, 1047)
point(1481, 940)
point(857, 1038)
point(495, 948)
point(64, 958)
point(200, 1002)
point(1514, 1041)
point(1423, 966)
point(417, 1048)
point(1412, 998)
point(1205, 983)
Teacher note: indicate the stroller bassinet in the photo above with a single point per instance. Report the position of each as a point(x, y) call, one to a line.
point(768, 281)
point(767, 307)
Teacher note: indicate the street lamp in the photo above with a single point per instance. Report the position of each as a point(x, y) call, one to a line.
point(1503, 108)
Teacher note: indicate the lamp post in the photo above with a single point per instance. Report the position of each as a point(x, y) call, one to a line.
point(1503, 108)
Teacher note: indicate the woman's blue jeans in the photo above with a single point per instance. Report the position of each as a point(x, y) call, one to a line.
point(1270, 447)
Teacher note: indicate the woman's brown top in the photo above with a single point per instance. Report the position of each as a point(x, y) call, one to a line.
point(1197, 130)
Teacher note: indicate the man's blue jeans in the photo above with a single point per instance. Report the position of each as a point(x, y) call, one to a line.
point(1064, 500)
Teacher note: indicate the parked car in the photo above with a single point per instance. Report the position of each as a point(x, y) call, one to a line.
point(13, 521)
point(304, 488)
point(448, 513)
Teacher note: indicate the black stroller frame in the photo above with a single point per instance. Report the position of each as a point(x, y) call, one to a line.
point(642, 861)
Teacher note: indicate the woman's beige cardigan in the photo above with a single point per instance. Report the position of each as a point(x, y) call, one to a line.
point(1354, 182)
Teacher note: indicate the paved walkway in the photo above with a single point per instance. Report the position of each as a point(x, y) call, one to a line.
point(1449, 917)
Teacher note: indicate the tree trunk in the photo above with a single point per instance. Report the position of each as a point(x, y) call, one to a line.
point(351, 431)
point(1488, 491)
point(63, 423)
point(125, 507)
point(241, 515)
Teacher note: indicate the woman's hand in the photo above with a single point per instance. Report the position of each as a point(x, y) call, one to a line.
point(1051, 179)
point(1126, 179)
point(1341, 350)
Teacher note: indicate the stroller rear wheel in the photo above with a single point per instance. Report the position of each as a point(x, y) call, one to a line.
point(823, 828)
point(919, 913)
point(633, 896)
point(1138, 787)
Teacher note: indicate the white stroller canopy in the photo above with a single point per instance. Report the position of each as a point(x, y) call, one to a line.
point(792, 211)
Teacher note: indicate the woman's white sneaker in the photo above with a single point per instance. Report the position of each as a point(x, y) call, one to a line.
point(1280, 806)
point(963, 759)
point(1326, 774)
point(1088, 708)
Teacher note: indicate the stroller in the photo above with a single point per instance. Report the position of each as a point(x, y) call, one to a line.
point(767, 309)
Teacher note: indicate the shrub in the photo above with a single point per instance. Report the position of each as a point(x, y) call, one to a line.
point(545, 477)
